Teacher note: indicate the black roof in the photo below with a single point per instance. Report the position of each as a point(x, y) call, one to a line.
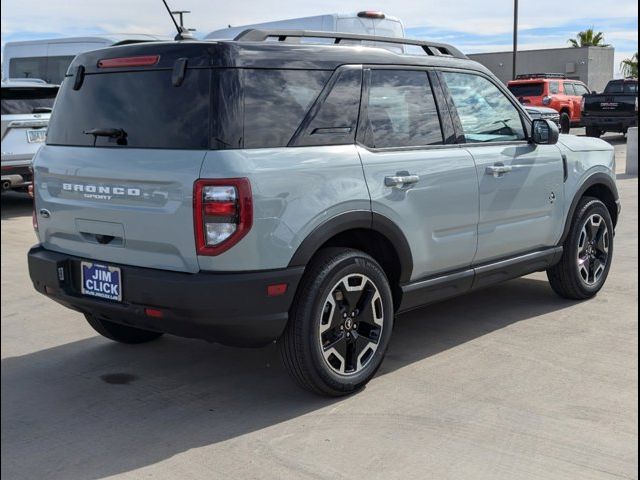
point(265, 54)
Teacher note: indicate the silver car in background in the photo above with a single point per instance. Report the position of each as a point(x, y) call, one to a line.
point(26, 108)
point(544, 113)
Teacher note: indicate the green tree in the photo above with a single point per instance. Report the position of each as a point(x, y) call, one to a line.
point(629, 66)
point(588, 38)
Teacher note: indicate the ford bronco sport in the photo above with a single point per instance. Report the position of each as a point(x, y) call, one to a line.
point(267, 189)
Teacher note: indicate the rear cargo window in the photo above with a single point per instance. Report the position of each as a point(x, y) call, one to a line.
point(276, 102)
point(20, 101)
point(145, 105)
point(527, 89)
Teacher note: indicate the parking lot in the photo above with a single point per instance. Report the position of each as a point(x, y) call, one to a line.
point(509, 382)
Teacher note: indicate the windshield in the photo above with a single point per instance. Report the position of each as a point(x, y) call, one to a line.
point(621, 87)
point(527, 89)
point(26, 100)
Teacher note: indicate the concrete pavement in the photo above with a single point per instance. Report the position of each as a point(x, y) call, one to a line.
point(510, 382)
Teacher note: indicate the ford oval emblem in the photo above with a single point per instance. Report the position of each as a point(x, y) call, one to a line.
point(44, 213)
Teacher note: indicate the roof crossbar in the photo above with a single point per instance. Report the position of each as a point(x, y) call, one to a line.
point(430, 48)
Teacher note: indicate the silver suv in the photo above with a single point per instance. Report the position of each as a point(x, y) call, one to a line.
point(26, 107)
point(280, 187)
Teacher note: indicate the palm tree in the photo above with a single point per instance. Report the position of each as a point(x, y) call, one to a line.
point(629, 66)
point(588, 38)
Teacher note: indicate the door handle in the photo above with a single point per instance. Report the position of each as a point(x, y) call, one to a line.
point(401, 180)
point(498, 170)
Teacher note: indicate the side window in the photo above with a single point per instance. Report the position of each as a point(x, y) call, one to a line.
point(554, 88)
point(568, 89)
point(485, 112)
point(401, 110)
point(334, 122)
point(276, 102)
point(580, 89)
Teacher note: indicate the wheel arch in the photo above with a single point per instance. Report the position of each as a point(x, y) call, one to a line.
point(370, 232)
point(600, 186)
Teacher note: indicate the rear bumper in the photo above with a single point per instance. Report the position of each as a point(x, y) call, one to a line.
point(229, 308)
point(610, 123)
point(17, 175)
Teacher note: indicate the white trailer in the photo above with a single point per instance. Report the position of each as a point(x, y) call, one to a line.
point(366, 23)
point(49, 59)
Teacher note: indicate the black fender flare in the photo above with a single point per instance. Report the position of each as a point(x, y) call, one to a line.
point(595, 179)
point(357, 219)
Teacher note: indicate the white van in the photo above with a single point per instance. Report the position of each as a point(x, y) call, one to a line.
point(49, 59)
point(366, 23)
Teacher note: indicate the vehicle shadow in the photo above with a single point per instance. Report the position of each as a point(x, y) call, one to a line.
point(92, 408)
point(15, 204)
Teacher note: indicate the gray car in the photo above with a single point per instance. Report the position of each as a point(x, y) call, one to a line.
point(278, 187)
point(26, 107)
point(543, 113)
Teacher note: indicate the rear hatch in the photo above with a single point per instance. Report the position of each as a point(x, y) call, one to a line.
point(25, 116)
point(528, 93)
point(126, 142)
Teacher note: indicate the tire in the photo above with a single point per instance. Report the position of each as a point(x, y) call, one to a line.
point(588, 251)
point(593, 132)
point(565, 122)
point(121, 333)
point(330, 347)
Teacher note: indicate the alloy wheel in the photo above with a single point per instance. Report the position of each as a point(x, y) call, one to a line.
point(351, 324)
point(593, 249)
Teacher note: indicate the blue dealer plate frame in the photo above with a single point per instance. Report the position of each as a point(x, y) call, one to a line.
point(101, 281)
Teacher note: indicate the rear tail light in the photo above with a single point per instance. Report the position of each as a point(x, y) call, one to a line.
point(140, 61)
point(546, 100)
point(371, 14)
point(223, 214)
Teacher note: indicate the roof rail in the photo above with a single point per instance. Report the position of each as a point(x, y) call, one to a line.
point(430, 48)
point(525, 76)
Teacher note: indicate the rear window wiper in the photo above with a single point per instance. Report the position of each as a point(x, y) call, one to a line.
point(118, 133)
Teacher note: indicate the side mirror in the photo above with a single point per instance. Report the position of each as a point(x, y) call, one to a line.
point(594, 92)
point(544, 132)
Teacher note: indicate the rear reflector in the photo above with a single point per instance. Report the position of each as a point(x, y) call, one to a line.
point(153, 312)
point(277, 289)
point(141, 61)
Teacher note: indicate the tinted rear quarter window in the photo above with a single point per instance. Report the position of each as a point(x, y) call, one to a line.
point(276, 102)
point(145, 104)
point(335, 118)
point(401, 110)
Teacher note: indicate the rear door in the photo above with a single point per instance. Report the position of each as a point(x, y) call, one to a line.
point(520, 184)
point(125, 197)
point(425, 185)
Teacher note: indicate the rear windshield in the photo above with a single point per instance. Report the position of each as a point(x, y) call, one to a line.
point(211, 109)
point(527, 89)
point(18, 101)
point(621, 87)
point(145, 105)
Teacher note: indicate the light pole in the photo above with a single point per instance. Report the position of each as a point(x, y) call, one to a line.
point(515, 38)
